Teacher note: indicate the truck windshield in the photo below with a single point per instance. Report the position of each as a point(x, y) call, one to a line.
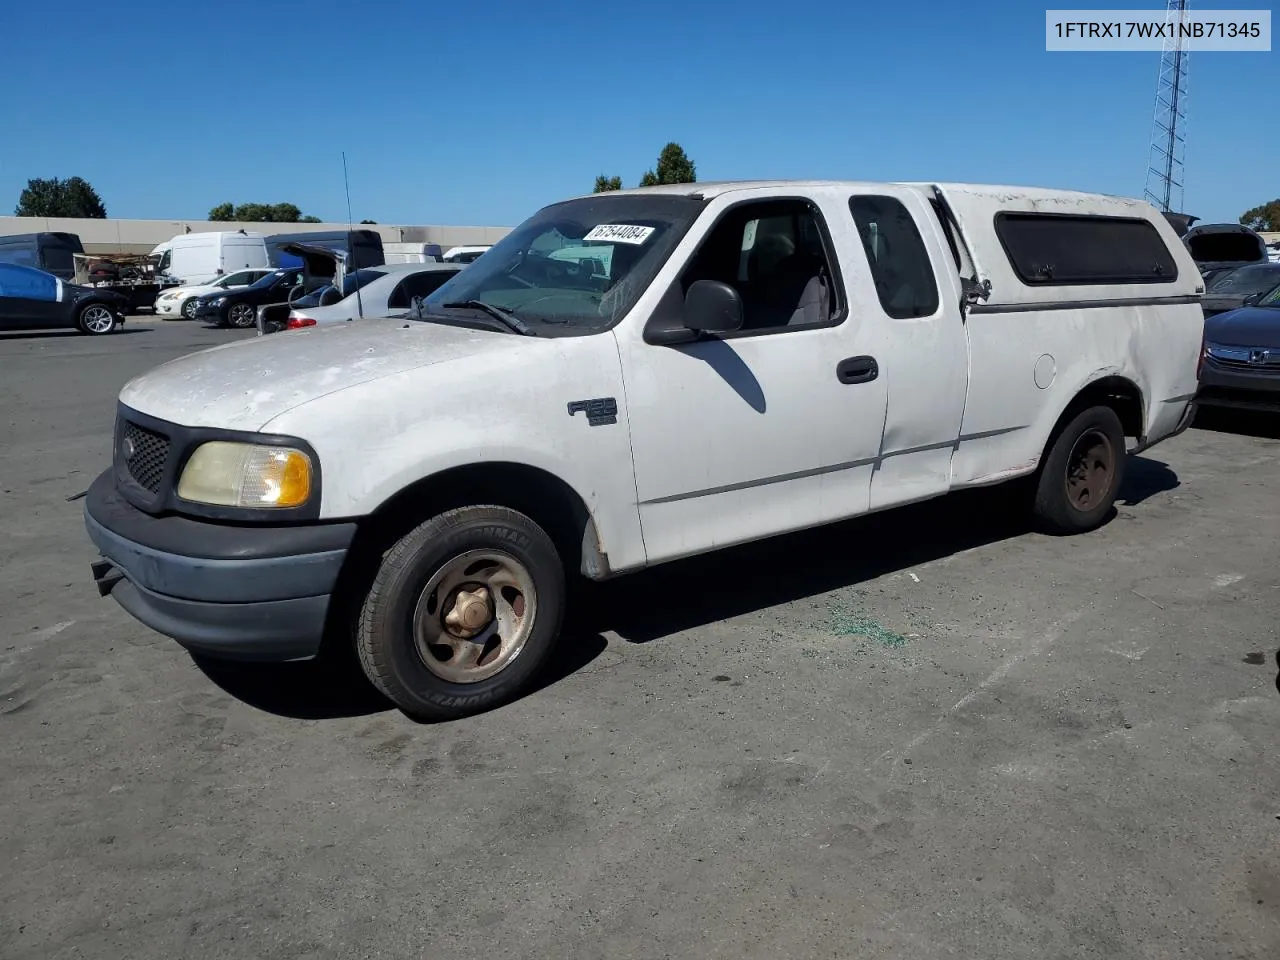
point(580, 264)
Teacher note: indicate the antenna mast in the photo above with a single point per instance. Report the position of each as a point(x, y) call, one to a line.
point(347, 186)
point(1168, 132)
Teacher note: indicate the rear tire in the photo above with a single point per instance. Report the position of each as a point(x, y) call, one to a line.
point(463, 613)
point(1080, 477)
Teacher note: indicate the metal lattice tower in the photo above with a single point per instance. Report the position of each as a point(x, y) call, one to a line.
point(1169, 129)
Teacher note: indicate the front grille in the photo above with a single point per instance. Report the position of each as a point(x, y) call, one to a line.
point(1266, 367)
point(144, 453)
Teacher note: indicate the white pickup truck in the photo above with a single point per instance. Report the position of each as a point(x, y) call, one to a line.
point(739, 360)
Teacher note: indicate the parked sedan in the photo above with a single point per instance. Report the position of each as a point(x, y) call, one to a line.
point(1241, 362)
point(239, 308)
point(181, 301)
point(1239, 287)
point(383, 291)
point(32, 299)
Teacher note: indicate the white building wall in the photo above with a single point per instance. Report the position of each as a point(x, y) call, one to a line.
point(141, 236)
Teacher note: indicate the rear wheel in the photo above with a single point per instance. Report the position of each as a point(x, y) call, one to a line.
point(463, 613)
point(240, 315)
point(97, 319)
point(1082, 474)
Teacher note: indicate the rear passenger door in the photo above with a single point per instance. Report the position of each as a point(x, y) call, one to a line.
point(910, 299)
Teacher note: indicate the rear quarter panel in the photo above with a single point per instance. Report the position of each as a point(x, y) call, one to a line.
point(1034, 348)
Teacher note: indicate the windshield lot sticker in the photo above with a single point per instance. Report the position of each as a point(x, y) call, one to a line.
point(619, 233)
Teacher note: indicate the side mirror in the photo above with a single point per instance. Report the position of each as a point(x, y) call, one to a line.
point(711, 306)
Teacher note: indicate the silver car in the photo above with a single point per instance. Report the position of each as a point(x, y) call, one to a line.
point(372, 292)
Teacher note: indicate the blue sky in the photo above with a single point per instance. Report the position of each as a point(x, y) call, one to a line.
point(480, 113)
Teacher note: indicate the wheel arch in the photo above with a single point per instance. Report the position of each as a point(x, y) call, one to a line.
point(1116, 391)
point(545, 498)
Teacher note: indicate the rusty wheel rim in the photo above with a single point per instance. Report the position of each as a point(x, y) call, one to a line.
point(474, 616)
point(1090, 470)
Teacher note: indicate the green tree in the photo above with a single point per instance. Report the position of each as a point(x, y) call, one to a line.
point(674, 166)
point(605, 184)
point(285, 212)
point(1263, 218)
point(73, 197)
point(365, 221)
point(260, 213)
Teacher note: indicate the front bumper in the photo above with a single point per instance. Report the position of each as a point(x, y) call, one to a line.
point(206, 312)
point(1239, 389)
point(231, 592)
point(168, 307)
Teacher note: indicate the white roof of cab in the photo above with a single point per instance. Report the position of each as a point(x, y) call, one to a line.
point(715, 188)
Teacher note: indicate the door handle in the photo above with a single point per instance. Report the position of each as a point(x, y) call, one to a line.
point(857, 370)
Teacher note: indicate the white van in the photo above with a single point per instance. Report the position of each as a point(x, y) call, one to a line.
point(423, 487)
point(407, 252)
point(200, 258)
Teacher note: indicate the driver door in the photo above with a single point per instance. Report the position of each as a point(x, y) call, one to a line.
point(770, 428)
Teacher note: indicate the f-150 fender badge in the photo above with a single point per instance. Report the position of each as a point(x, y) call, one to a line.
point(600, 411)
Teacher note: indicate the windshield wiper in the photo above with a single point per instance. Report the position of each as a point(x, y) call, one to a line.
point(504, 316)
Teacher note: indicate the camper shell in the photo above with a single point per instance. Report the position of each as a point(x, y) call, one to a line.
point(742, 360)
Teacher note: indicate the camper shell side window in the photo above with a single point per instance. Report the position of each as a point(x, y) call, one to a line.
point(1056, 249)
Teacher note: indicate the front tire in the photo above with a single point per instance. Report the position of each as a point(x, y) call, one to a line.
point(241, 315)
point(463, 613)
point(1082, 474)
point(97, 319)
point(188, 309)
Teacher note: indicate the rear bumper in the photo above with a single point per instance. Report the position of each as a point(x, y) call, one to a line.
point(1173, 420)
point(232, 592)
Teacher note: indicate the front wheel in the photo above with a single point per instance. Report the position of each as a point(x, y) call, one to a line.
point(97, 319)
point(464, 611)
point(188, 308)
point(241, 315)
point(1082, 474)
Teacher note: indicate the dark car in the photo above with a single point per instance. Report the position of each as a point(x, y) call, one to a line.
point(1241, 363)
point(32, 299)
point(239, 307)
point(1239, 287)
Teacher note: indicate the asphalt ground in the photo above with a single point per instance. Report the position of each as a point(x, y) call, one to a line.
point(925, 734)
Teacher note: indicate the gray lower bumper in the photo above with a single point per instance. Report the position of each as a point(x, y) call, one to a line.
point(245, 604)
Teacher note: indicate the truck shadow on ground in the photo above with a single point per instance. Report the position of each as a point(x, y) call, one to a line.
point(333, 686)
point(1144, 478)
point(740, 580)
point(687, 594)
point(1245, 423)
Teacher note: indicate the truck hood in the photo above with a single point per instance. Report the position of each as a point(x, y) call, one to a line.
point(1248, 327)
point(243, 385)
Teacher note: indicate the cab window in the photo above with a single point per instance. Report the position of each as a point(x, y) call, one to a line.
point(775, 254)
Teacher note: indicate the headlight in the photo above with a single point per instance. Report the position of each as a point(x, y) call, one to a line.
point(1220, 352)
point(246, 475)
